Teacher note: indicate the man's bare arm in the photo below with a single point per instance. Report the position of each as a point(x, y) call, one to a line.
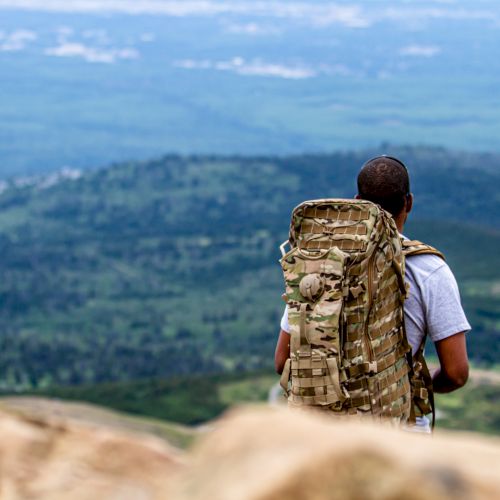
point(282, 352)
point(454, 365)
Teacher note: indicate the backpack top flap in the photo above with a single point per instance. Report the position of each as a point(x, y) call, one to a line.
point(349, 224)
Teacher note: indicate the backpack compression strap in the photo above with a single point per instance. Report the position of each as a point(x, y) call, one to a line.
point(410, 248)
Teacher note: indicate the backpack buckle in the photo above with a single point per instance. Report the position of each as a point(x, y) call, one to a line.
point(283, 247)
point(370, 367)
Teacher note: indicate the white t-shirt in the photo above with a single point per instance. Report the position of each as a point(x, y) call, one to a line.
point(433, 304)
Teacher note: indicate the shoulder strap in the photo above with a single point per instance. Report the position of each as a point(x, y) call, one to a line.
point(415, 247)
point(410, 248)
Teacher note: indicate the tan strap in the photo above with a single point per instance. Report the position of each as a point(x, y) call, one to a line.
point(385, 345)
point(380, 400)
point(322, 400)
point(415, 247)
point(335, 214)
point(302, 325)
point(333, 368)
point(308, 382)
point(378, 366)
point(383, 382)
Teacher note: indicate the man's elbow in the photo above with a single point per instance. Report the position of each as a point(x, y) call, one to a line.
point(459, 377)
point(282, 352)
point(279, 364)
point(454, 365)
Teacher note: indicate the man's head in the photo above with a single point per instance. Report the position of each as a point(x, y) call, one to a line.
point(384, 180)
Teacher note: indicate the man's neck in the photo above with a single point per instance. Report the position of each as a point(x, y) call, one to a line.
point(400, 221)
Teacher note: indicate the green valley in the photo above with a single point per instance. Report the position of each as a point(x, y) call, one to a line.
point(170, 267)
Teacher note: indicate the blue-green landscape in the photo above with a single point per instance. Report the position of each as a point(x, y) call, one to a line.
point(87, 83)
point(151, 153)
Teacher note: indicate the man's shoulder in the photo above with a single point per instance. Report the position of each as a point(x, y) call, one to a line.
point(423, 263)
point(427, 265)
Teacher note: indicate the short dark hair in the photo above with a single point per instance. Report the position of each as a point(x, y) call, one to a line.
point(384, 180)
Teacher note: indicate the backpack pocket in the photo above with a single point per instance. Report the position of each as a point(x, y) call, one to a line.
point(315, 314)
point(315, 379)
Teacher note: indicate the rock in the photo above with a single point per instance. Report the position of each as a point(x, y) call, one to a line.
point(271, 454)
point(56, 459)
point(249, 454)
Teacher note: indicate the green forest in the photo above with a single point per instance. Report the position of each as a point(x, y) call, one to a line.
point(169, 268)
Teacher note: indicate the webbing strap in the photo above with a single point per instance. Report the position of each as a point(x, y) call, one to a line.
point(313, 227)
point(308, 382)
point(376, 367)
point(389, 290)
point(335, 214)
point(325, 399)
point(426, 378)
point(334, 377)
point(398, 269)
point(411, 248)
point(326, 244)
point(302, 325)
point(384, 328)
point(383, 382)
point(396, 410)
point(355, 331)
point(415, 247)
point(309, 363)
point(380, 348)
point(380, 400)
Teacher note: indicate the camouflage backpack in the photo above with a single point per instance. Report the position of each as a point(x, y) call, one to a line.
point(345, 290)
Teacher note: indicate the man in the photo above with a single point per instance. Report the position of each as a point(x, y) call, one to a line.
point(433, 307)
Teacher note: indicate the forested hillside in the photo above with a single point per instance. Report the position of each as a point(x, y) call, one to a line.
point(145, 270)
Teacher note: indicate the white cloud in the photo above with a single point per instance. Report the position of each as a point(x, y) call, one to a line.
point(17, 40)
point(352, 17)
point(147, 37)
point(252, 29)
point(92, 54)
point(256, 67)
point(98, 36)
point(420, 50)
point(326, 13)
point(422, 14)
point(319, 14)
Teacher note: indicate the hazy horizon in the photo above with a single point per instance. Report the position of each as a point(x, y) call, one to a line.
point(88, 82)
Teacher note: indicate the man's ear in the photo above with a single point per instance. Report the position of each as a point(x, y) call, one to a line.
point(409, 203)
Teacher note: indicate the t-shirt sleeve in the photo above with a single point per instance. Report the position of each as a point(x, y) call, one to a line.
point(443, 310)
point(284, 321)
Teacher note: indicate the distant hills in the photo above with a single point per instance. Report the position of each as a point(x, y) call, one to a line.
point(169, 267)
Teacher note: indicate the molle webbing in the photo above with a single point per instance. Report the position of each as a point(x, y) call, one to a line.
point(384, 381)
point(374, 333)
point(343, 244)
point(376, 366)
point(336, 215)
point(313, 227)
point(385, 345)
point(380, 400)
